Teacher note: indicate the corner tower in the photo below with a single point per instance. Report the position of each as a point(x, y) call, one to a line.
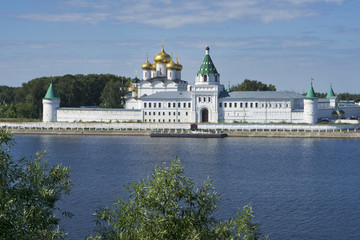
point(311, 106)
point(51, 102)
point(207, 75)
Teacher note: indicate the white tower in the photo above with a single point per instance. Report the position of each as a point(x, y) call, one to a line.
point(51, 102)
point(311, 107)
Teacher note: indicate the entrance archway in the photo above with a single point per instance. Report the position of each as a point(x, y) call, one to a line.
point(205, 115)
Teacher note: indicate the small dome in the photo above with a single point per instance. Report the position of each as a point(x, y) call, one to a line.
point(178, 65)
point(146, 65)
point(162, 57)
point(136, 80)
point(171, 66)
point(153, 67)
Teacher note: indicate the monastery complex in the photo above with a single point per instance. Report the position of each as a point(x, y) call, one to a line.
point(161, 96)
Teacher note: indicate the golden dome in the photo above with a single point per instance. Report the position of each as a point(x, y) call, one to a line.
point(178, 65)
point(171, 65)
point(146, 65)
point(153, 67)
point(162, 57)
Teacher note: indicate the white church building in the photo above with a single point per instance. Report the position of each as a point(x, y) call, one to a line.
point(162, 97)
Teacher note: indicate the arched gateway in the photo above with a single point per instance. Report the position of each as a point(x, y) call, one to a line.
point(205, 115)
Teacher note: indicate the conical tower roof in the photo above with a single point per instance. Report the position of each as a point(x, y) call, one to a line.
point(311, 92)
point(330, 93)
point(207, 67)
point(51, 93)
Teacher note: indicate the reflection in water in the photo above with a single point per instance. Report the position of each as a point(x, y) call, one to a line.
point(299, 188)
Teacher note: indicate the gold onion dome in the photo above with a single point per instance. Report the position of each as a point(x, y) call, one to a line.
point(178, 66)
point(153, 67)
point(171, 65)
point(146, 65)
point(162, 57)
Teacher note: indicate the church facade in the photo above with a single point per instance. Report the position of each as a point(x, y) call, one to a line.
point(163, 97)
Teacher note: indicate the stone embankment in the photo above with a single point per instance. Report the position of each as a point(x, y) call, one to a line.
point(144, 129)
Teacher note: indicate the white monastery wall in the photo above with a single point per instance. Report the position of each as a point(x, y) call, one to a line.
point(98, 115)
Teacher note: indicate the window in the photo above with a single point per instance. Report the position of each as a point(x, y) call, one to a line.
point(189, 105)
point(149, 113)
point(159, 113)
point(216, 78)
point(220, 104)
point(235, 105)
point(145, 113)
point(209, 99)
point(154, 105)
point(174, 105)
point(178, 113)
point(154, 113)
point(169, 113)
point(186, 113)
point(169, 105)
point(241, 104)
point(230, 105)
point(225, 105)
point(153, 120)
point(205, 78)
point(170, 74)
point(184, 105)
point(145, 120)
point(159, 120)
point(246, 105)
point(256, 105)
point(163, 113)
point(251, 105)
point(174, 113)
point(144, 105)
point(199, 99)
point(159, 105)
point(149, 105)
point(204, 99)
point(179, 105)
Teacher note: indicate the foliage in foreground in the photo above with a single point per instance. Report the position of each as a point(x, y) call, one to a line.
point(170, 206)
point(29, 191)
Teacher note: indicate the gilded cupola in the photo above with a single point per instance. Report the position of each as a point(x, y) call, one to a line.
point(162, 56)
point(171, 65)
point(147, 65)
point(178, 65)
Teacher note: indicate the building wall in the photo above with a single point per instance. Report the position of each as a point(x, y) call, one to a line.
point(176, 111)
point(98, 115)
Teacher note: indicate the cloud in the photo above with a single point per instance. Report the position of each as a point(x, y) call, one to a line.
point(174, 14)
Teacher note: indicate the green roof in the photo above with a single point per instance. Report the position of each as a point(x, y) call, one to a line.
point(135, 80)
point(311, 92)
point(51, 93)
point(207, 67)
point(330, 93)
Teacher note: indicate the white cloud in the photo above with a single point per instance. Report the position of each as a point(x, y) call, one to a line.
point(173, 14)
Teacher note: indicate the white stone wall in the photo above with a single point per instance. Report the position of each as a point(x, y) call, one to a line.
point(97, 115)
point(259, 111)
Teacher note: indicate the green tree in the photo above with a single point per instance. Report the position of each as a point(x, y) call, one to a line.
point(253, 85)
point(170, 206)
point(29, 191)
point(113, 95)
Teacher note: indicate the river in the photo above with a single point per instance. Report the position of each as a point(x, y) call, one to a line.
point(299, 188)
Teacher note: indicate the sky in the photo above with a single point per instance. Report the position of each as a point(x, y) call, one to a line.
point(282, 42)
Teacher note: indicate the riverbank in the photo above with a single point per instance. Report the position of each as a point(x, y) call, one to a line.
point(231, 133)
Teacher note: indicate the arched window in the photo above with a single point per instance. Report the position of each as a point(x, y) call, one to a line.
point(205, 78)
point(216, 78)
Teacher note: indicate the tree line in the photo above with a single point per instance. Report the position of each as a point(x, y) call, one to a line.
point(104, 90)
